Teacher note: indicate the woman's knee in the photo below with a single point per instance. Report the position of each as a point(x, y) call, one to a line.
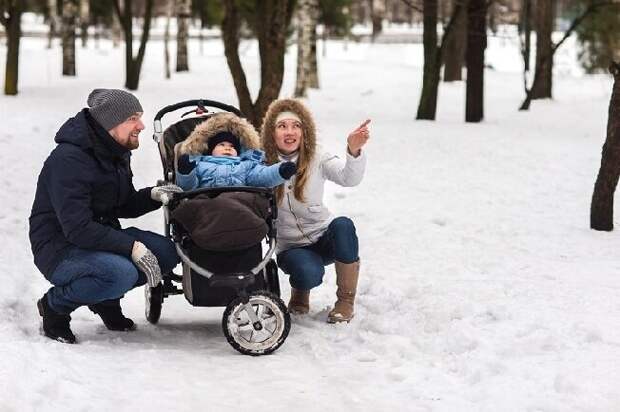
point(307, 278)
point(342, 225)
point(306, 271)
point(344, 240)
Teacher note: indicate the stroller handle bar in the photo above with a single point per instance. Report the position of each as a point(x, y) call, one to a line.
point(197, 102)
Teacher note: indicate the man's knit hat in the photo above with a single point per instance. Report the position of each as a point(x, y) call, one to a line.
point(111, 107)
point(223, 137)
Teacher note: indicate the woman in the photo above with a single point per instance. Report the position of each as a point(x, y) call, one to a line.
point(309, 237)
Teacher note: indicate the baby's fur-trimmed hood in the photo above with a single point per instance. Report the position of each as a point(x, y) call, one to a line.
point(197, 142)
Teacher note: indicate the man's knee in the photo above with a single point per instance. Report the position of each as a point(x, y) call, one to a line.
point(119, 280)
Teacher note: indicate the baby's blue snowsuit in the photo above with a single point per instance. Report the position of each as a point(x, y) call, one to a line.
point(244, 170)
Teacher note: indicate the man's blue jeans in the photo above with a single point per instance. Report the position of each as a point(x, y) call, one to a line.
point(86, 277)
point(306, 265)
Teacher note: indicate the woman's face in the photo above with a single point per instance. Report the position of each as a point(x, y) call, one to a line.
point(288, 135)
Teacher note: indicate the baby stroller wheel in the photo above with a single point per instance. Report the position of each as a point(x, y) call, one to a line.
point(260, 332)
point(153, 299)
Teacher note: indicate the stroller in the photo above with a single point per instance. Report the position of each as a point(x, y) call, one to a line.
point(255, 321)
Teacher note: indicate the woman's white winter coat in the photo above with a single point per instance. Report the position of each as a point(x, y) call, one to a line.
point(303, 223)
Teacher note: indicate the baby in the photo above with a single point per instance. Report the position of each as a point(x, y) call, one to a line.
point(226, 164)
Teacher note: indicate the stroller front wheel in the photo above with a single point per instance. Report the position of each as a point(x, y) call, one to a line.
point(153, 300)
point(257, 327)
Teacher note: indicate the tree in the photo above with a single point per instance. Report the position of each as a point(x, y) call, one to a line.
point(427, 108)
point(10, 17)
point(306, 27)
point(378, 8)
point(525, 27)
point(545, 16)
point(84, 21)
point(69, 17)
point(269, 19)
point(602, 206)
point(546, 62)
point(476, 45)
point(456, 44)
point(183, 12)
point(600, 41)
point(133, 65)
point(169, 8)
point(52, 15)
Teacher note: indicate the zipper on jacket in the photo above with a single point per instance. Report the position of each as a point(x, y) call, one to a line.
point(290, 206)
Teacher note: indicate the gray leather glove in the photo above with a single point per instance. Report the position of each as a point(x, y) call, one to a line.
point(147, 263)
point(164, 193)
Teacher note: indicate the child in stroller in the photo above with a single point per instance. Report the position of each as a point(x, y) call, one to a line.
point(218, 233)
point(227, 160)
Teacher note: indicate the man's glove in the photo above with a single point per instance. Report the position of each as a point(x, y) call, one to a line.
point(184, 165)
point(287, 170)
point(164, 193)
point(147, 263)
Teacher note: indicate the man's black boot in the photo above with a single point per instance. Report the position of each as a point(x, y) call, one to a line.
point(55, 325)
point(112, 315)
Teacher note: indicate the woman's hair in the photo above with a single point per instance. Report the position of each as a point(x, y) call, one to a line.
point(307, 147)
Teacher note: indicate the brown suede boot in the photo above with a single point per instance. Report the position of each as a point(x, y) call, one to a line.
point(346, 279)
point(300, 302)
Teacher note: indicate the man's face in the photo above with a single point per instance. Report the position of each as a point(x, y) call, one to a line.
point(126, 133)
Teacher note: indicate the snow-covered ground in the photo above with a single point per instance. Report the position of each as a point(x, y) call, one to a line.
point(482, 287)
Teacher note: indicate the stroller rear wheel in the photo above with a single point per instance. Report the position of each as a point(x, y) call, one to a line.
point(153, 299)
point(257, 327)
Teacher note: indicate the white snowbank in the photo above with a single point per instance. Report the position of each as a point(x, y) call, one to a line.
point(482, 287)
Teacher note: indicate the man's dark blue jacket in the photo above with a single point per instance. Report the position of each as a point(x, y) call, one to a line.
point(84, 187)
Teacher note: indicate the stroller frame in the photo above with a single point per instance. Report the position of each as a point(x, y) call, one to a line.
point(250, 308)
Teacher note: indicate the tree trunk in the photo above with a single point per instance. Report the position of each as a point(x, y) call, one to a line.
point(169, 8)
point(602, 207)
point(304, 26)
point(53, 22)
point(541, 88)
point(84, 21)
point(313, 71)
point(11, 19)
point(378, 14)
point(230, 36)
point(69, 16)
point(183, 13)
point(133, 65)
point(428, 99)
point(272, 17)
point(526, 28)
point(476, 45)
point(116, 29)
point(456, 43)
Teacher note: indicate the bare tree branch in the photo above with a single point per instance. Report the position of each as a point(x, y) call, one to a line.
point(575, 23)
point(415, 7)
point(592, 7)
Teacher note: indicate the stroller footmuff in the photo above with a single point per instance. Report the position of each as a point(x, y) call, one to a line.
point(219, 234)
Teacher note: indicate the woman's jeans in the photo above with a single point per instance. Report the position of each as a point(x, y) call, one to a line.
point(306, 265)
point(86, 277)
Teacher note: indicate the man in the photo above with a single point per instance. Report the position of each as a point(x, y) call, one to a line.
point(85, 186)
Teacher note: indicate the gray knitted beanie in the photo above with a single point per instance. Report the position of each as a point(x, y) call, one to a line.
point(111, 107)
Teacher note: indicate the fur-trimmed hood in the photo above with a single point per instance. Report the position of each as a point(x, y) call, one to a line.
point(197, 142)
point(269, 127)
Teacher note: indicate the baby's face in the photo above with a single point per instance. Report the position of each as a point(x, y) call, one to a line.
point(224, 149)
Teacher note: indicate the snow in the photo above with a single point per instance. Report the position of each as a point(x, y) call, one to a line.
point(482, 287)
